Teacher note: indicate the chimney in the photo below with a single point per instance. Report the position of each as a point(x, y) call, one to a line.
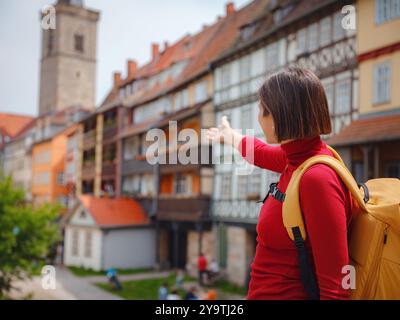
point(166, 45)
point(154, 50)
point(131, 68)
point(117, 78)
point(230, 8)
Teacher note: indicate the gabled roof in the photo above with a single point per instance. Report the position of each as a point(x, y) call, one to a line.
point(198, 50)
point(114, 212)
point(367, 130)
point(12, 124)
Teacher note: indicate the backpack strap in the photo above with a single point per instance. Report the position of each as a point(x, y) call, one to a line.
point(293, 219)
point(291, 212)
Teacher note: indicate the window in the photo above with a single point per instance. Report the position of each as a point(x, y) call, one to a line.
point(301, 41)
point(313, 36)
point(272, 56)
point(60, 178)
point(226, 185)
point(225, 76)
point(325, 31)
point(342, 97)
point(245, 68)
point(75, 242)
point(182, 184)
point(42, 178)
point(338, 31)
point(382, 74)
point(329, 96)
point(63, 200)
point(245, 75)
point(255, 183)
point(358, 171)
point(392, 170)
point(242, 187)
point(200, 91)
point(182, 99)
point(246, 118)
point(42, 157)
point(78, 42)
point(88, 244)
point(386, 10)
point(131, 148)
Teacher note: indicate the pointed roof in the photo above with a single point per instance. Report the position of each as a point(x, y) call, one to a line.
point(114, 212)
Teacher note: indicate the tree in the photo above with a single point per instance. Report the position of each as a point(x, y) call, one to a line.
point(27, 234)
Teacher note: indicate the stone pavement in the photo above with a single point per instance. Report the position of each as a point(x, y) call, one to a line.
point(68, 287)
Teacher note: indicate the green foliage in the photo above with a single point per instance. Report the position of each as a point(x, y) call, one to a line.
point(27, 235)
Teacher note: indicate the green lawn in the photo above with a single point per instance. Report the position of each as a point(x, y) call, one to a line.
point(82, 272)
point(143, 289)
point(229, 287)
point(148, 289)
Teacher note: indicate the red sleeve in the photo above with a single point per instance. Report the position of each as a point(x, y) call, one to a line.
point(323, 204)
point(262, 155)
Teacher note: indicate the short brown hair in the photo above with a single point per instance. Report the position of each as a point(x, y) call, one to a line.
point(297, 102)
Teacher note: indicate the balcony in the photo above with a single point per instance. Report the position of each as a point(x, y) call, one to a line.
point(204, 158)
point(89, 139)
point(88, 171)
point(184, 209)
point(244, 211)
point(110, 133)
point(108, 169)
point(136, 166)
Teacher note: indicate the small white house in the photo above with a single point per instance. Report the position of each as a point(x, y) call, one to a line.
point(102, 233)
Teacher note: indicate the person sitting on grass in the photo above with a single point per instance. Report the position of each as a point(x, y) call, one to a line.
point(113, 279)
point(179, 279)
point(173, 295)
point(163, 291)
point(191, 294)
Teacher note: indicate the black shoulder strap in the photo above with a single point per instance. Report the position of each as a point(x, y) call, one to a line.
point(275, 192)
point(306, 269)
point(307, 273)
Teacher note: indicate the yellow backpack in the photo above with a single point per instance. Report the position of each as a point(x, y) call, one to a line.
point(374, 243)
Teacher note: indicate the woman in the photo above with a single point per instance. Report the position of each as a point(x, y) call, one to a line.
point(293, 111)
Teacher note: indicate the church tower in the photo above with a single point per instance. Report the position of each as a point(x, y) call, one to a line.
point(68, 59)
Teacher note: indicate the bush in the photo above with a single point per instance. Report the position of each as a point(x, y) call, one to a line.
point(27, 235)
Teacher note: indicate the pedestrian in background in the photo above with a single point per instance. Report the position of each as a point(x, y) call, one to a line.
point(202, 268)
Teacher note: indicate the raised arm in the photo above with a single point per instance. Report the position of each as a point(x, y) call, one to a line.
point(323, 204)
point(262, 154)
point(252, 149)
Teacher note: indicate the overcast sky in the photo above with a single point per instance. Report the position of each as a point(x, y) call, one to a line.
point(126, 30)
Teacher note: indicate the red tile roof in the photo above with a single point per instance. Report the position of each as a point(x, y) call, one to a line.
point(371, 129)
point(114, 212)
point(12, 124)
point(198, 49)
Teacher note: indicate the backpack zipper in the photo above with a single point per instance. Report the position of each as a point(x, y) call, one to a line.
point(385, 234)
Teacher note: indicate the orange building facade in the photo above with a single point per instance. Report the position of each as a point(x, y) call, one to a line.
point(48, 169)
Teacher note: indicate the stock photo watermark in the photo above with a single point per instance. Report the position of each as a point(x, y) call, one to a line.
point(48, 21)
point(48, 275)
point(349, 20)
point(182, 148)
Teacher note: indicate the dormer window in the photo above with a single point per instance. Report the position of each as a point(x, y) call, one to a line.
point(247, 31)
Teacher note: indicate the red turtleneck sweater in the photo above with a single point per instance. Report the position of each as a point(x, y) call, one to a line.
point(326, 207)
